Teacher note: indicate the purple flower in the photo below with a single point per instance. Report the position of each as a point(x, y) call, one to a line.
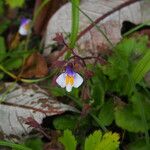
point(24, 26)
point(69, 79)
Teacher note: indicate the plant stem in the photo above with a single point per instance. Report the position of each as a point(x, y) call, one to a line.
point(7, 72)
point(77, 101)
point(75, 23)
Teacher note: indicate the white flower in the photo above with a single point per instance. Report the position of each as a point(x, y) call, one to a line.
point(69, 79)
point(24, 26)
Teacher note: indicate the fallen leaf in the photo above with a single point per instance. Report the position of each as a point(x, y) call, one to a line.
point(110, 25)
point(35, 66)
point(24, 102)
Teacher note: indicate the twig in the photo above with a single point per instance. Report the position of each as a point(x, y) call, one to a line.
point(105, 15)
point(97, 21)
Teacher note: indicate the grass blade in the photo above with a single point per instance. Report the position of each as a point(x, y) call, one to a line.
point(75, 23)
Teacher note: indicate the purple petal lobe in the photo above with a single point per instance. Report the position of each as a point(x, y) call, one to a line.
point(70, 71)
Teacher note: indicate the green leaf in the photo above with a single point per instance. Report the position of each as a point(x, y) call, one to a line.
point(1, 75)
point(126, 119)
point(15, 3)
point(92, 141)
point(110, 141)
point(1, 7)
point(13, 63)
point(138, 145)
point(65, 122)
point(126, 47)
point(4, 25)
point(68, 140)
point(56, 91)
point(2, 48)
point(13, 145)
point(98, 94)
point(106, 115)
point(34, 143)
point(142, 67)
point(136, 100)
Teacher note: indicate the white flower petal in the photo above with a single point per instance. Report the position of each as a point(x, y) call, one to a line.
point(22, 30)
point(78, 80)
point(61, 80)
point(69, 87)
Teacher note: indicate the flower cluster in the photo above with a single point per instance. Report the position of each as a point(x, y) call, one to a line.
point(69, 79)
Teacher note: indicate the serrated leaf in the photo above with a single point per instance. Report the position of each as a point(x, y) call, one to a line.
point(2, 48)
point(126, 47)
point(125, 119)
point(92, 141)
point(110, 141)
point(15, 3)
point(106, 115)
point(68, 140)
point(65, 122)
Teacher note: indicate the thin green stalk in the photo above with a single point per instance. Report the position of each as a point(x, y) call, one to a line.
point(9, 88)
point(34, 80)
point(7, 72)
point(136, 28)
point(97, 27)
point(91, 114)
point(75, 23)
point(13, 145)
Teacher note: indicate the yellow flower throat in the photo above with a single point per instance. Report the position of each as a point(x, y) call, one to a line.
point(69, 80)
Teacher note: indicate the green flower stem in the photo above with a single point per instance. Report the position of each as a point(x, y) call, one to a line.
point(75, 23)
point(13, 145)
point(34, 80)
point(78, 102)
point(9, 88)
point(7, 72)
point(136, 28)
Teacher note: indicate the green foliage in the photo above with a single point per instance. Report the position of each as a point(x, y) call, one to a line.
point(109, 141)
point(138, 145)
point(65, 122)
point(98, 95)
point(106, 115)
point(68, 140)
point(1, 7)
point(13, 145)
point(126, 119)
point(15, 3)
point(93, 140)
point(13, 63)
point(34, 143)
point(142, 67)
point(2, 48)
